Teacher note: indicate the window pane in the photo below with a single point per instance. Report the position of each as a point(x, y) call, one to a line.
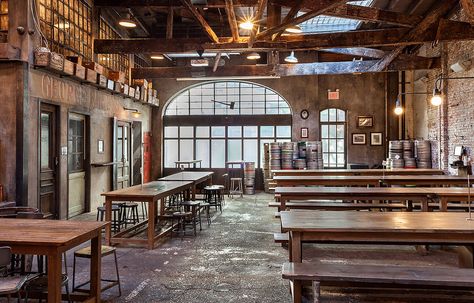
point(332, 115)
point(218, 153)
point(234, 131)
point(202, 132)
point(251, 131)
point(218, 131)
point(267, 131)
point(324, 116)
point(203, 152)
point(340, 131)
point(186, 149)
point(283, 131)
point(341, 115)
point(324, 131)
point(171, 132)
point(186, 131)
point(234, 150)
point(171, 152)
point(332, 131)
point(250, 150)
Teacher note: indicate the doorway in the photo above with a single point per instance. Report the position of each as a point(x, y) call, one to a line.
point(48, 160)
point(122, 135)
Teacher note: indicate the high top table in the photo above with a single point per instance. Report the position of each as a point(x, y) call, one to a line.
point(150, 193)
point(52, 238)
point(357, 172)
point(384, 228)
point(196, 177)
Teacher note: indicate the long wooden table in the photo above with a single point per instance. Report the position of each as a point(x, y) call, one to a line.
point(196, 177)
point(358, 172)
point(52, 238)
point(386, 228)
point(375, 180)
point(150, 193)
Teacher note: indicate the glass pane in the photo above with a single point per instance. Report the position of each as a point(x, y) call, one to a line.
point(251, 131)
point(340, 160)
point(234, 150)
point(202, 132)
point(341, 115)
point(218, 153)
point(332, 159)
point(325, 145)
point(234, 131)
point(171, 152)
point(332, 131)
point(186, 150)
point(340, 131)
point(203, 152)
point(171, 132)
point(186, 132)
point(326, 160)
point(332, 146)
point(324, 131)
point(45, 140)
point(218, 131)
point(250, 150)
point(340, 145)
point(324, 116)
point(283, 131)
point(267, 131)
point(332, 115)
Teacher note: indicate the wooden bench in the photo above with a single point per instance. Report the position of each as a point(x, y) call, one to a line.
point(282, 238)
point(323, 205)
point(377, 276)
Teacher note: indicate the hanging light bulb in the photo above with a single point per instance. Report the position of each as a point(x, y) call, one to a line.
point(246, 24)
point(294, 29)
point(398, 108)
point(253, 56)
point(437, 98)
point(127, 22)
point(291, 58)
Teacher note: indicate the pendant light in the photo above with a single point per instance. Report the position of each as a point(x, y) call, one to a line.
point(294, 29)
point(157, 57)
point(291, 58)
point(437, 98)
point(247, 25)
point(253, 56)
point(127, 22)
point(398, 108)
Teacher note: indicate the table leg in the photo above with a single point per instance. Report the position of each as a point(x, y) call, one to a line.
point(108, 217)
point(465, 256)
point(296, 255)
point(443, 204)
point(95, 268)
point(54, 276)
point(193, 193)
point(424, 205)
point(297, 291)
point(151, 224)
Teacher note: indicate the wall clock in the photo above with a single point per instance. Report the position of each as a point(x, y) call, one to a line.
point(304, 114)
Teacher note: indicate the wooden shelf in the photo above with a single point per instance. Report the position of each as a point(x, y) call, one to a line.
point(104, 164)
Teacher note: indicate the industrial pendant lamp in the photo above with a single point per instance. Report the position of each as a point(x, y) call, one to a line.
point(398, 108)
point(291, 58)
point(127, 22)
point(437, 98)
point(294, 29)
point(246, 24)
point(253, 56)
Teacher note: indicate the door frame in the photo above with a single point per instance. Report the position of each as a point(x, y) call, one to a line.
point(115, 122)
point(87, 161)
point(56, 146)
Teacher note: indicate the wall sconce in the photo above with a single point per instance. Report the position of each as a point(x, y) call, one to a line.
point(437, 98)
point(398, 108)
point(134, 111)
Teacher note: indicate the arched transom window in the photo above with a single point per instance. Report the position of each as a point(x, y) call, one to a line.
point(333, 136)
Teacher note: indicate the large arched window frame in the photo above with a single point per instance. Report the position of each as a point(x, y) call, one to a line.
point(196, 127)
point(333, 137)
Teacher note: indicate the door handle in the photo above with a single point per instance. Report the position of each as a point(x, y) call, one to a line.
point(56, 161)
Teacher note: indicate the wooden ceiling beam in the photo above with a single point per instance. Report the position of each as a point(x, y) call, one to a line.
point(357, 52)
point(199, 18)
point(257, 19)
point(291, 15)
point(170, 23)
point(230, 11)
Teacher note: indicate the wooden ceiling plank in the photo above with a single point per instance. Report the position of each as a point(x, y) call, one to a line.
point(234, 28)
point(199, 18)
point(257, 20)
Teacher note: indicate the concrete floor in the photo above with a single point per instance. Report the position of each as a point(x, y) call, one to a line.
point(235, 260)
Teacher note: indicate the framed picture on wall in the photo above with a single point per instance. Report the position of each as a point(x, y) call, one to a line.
point(304, 132)
point(365, 121)
point(376, 139)
point(100, 146)
point(359, 139)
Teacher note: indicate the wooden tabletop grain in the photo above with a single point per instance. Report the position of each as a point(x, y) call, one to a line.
point(305, 191)
point(153, 189)
point(374, 178)
point(188, 176)
point(370, 172)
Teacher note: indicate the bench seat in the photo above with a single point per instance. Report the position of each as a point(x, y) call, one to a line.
point(281, 237)
point(378, 276)
point(323, 205)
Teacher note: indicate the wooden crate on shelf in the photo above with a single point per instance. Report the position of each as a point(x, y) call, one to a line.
point(101, 81)
point(91, 75)
point(49, 60)
point(110, 84)
point(79, 71)
point(117, 76)
point(68, 67)
point(131, 92)
point(94, 66)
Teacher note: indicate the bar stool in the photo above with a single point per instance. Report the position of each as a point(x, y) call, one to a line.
point(129, 213)
point(179, 218)
point(213, 196)
point(86, 253)
point(204, 206)
point(116, 216)
point(193, 207)
point(236, 187)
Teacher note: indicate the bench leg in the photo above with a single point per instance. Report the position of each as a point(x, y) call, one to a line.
point(316, 292)
point(297, 292)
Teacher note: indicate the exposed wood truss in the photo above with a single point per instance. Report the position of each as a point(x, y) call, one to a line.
point(229, 8)
point(257, 19)
point(199, 18)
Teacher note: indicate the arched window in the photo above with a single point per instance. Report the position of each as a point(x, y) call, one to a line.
point(333, 136)
point(245, 116)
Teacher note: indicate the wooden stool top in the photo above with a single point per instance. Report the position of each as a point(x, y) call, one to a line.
point(86, 251)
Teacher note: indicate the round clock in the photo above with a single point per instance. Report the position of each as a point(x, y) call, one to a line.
point(304, 114)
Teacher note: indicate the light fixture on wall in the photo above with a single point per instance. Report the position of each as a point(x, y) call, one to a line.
point(231, 105)
point(291, 58)
point(157, 57)
point(294, 29)
point(398, 108)
point(128, 22)
point(437, 97)
point(253, 56)
point(134, 111)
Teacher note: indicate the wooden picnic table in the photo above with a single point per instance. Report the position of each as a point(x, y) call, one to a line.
point(52, 238)
point(357, 172)
point(385, 228)
point(196, 177)
point(150, 193)
point(375, 180)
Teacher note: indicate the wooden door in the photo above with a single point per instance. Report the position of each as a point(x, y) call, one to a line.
point(49, 160)
point(122, 147)
point(77, 155)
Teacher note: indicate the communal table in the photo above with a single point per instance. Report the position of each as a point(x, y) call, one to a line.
point(52, 238)
point(188, 163)
point(196, 177)
point(386, 228)
point(150, 193)
point(358, 172)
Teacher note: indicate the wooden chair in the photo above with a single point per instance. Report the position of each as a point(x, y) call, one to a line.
point(9, 285)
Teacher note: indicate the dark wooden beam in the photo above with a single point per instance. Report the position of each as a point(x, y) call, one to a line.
point(357, 52)
point(216, 62)
point(9, 52)
point(169, 23)
point(199, 18)
point(290, 16)
point(282, 70)
point(454, 29)
point(273, 14)
point(257, 19)
point(425, 25)
point(234, 28)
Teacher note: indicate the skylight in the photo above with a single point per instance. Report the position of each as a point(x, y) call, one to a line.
point(325, 23)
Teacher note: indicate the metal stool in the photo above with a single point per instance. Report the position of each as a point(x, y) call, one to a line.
point(236, 187)
point(129, 213)
point(86, 253)
point(204, 206)
point(193, 207)
point(116, 216)
point(179, 218)
point(213, 196)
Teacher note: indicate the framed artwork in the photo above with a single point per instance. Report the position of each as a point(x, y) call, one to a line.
point(304, 114)
point(375, 139)
point(100, 146)
point(365, 121)
point(304, 132)
point(359, 139)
